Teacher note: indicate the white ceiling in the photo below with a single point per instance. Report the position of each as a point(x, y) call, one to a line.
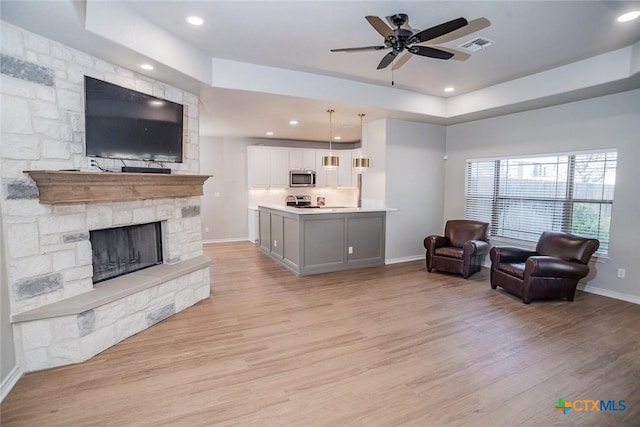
point(531, 37)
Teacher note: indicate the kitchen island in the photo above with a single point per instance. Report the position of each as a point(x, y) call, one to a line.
point(320, 240)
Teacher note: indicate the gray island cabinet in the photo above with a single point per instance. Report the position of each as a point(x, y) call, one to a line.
point(312, 241)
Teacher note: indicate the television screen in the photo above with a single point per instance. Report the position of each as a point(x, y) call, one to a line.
point(124, 124)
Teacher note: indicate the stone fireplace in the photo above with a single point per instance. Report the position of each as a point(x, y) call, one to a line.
point(58, 316)
point(61, 316)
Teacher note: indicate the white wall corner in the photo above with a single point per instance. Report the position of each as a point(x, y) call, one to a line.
point(10, 381)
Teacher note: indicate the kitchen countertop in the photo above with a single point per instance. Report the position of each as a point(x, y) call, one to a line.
point(324, 209)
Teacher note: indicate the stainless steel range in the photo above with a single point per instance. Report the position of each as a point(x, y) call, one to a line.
point(305, 203)
point(299, 201)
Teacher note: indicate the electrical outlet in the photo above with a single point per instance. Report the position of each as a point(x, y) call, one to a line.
point(275, 243)
point(206, 229)
point(350, 249)
point(621, 273)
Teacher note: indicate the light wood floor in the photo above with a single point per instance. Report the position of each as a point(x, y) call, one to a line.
point(382, 346)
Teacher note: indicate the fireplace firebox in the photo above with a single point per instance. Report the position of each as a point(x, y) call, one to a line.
point(123, 250)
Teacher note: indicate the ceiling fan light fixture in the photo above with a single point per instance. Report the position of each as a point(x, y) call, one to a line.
point(629, 16)
point(330, 162)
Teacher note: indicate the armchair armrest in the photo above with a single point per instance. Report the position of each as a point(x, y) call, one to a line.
point(509, 254)
point(547, 266)
point(475, 247)
point(433, 242)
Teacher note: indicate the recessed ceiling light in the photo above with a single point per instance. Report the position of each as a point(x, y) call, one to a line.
point(449, 89)
point(269, 133)
point(147, 67)
point(337, 138)
point(293, 122)
point(630, 16)
point(195, 20)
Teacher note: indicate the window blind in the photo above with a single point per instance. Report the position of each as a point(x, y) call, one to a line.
point(522, 197)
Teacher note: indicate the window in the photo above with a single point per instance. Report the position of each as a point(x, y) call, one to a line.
point(522, 197)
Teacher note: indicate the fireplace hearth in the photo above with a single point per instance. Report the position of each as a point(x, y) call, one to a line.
point(122, 250)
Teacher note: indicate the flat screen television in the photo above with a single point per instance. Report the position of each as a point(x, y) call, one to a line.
point(121, 123)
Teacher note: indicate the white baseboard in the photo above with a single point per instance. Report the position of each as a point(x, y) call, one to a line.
point(229, 240)
point(607, 293)
point(404, 259)
point(10, 381)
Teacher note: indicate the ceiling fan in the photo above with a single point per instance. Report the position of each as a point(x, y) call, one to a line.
point(404, 38)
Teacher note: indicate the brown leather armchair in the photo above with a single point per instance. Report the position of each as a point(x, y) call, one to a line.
point(551, 271)
point(462, 248)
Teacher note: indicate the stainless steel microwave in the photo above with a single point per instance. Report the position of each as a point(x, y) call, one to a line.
point(302, 178)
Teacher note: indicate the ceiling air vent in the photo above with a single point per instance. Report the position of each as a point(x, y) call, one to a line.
point(476, 44)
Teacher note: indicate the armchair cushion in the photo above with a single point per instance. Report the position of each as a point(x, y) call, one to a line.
point(449, 251)
point(515, 268)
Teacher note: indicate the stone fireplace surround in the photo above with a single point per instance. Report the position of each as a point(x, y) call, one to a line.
point(61, 318)
point(57, 316)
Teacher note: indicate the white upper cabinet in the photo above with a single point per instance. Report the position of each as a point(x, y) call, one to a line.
point(267, 167)
point(279, 168)
point(258, 167)
point(345, 171)
point(302, 159)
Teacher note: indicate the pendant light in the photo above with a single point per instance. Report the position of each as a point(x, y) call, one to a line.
point(361, 164)
point(330, 162)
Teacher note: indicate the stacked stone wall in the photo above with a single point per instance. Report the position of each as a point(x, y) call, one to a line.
point(48, 252)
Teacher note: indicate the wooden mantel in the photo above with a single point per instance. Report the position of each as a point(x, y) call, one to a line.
point(64, 187)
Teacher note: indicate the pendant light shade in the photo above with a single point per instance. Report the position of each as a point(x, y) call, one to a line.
point(361, 164)
point(330, 162)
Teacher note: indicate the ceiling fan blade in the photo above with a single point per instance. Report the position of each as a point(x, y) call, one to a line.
point(457, 55)
point(430, 52)
point(437, 31)
point(359, 49)
point(471, 27)
point(380, 26)
point(400, 62)
point(388, 59)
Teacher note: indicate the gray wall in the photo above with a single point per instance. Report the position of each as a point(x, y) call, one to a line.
point(224, 205)
point(414, 185)
point(607, 122)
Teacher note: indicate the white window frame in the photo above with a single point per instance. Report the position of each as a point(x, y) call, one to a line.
point(486, 198)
